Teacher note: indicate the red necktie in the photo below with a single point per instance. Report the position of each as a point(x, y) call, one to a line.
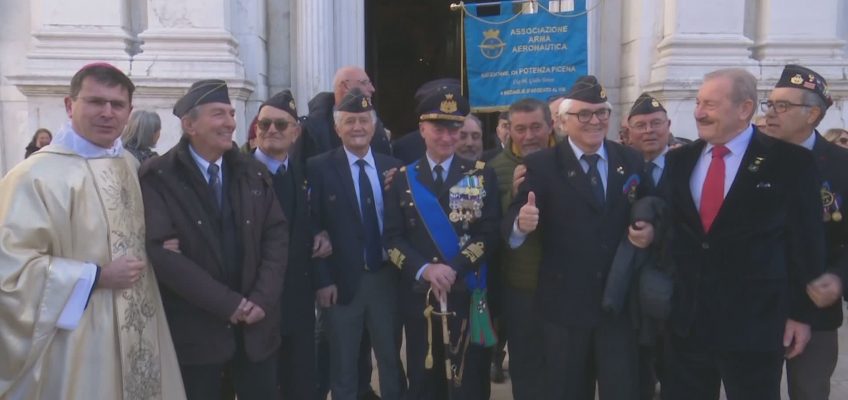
point(712, 193)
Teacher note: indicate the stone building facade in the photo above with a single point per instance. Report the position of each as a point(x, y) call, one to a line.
point(262, 46)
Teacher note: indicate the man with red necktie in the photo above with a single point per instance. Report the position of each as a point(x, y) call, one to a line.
point(747, 239)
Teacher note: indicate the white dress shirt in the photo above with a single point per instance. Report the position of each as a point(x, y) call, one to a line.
point(732, 160)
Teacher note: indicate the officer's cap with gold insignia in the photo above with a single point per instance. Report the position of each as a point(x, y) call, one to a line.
point(428, 87)
point(355, 102)
point(798, 77)
point(645, 104)
point(445, 106)
point(587, 89)
point(283, 101)
point(202, 92)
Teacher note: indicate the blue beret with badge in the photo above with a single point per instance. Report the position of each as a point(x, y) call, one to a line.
point(283, 100)
point(587, 89)
point(798, 77)
point(645, 104)
point(355, 102)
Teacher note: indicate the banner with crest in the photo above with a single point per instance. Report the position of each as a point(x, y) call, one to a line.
point(527, 49)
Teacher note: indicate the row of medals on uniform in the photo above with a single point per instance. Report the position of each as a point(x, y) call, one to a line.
point(466, 201)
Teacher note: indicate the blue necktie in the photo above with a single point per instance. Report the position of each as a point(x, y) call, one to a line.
point(373, 244)
point(440, 179)
point(215, 182)
point(595, 177)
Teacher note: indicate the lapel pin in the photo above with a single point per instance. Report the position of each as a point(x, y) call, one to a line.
point(620, 170)
point(571, 173)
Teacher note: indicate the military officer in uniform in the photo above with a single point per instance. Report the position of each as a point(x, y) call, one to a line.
point(441, 223)
point(792, 112)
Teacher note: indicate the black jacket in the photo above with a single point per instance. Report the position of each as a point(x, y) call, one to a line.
point(335, 208)
point(736, 286)
point(579, 236)
point(832, 162)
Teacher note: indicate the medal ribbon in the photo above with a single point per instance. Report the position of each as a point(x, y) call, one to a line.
point(439, 226)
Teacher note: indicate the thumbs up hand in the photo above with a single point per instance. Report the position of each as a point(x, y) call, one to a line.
point(528, 215)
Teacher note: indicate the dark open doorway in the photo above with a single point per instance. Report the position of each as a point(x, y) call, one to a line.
point(408, 42)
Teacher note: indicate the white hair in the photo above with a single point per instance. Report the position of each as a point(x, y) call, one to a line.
point(337, 116)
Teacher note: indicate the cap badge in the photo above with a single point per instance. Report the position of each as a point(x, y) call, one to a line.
point(448, 105)
point(603, 92)
point(291, 104)
point(797, 79)
point(655, 103)
point(364, 102)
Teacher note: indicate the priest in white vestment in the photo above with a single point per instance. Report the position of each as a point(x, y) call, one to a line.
point(80, 311)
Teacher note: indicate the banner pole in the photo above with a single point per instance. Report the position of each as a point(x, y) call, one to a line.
point(462, 52)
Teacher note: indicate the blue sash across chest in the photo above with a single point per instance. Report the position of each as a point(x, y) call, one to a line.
point(439, 226)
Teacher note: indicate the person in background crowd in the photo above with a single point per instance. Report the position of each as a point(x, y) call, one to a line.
point(250, 145)
point(141, 134)
point(42, 137)
point(553, 104)
point(319, 127)
point(470, 144)
point(650, 133)
point(624, 133)
point(837, 136)
point(502, 130)
point(80, 309)
point(794, 108)
point(222, 286)
point(530, 130)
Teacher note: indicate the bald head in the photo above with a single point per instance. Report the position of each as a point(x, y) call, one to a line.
point(350, 77)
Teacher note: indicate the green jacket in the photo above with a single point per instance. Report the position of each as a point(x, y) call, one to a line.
point(519, 267)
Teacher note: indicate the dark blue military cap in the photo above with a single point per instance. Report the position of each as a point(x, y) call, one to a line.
point(645, 104)
point(796, 76)
point(587, 89)
point(445, 105)
point(202, 92)
point(355, 101)
point(283, 100)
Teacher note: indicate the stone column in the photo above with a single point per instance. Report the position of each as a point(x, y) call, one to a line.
point(186, 41)
point(314, 41)
point(697, 37)
point(68, 35)
point(792, 32)
point(349, 33)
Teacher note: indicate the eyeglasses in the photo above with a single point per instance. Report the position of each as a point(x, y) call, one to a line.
point(361, 82)
point(279, 124)
point(655, 124)
point(586, 115)
point(779, 106)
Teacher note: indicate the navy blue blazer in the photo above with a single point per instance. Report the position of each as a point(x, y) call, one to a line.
point(832, 162)
point(408, 240)
point(335, 208)
point(579, 235)
point(736, 286)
